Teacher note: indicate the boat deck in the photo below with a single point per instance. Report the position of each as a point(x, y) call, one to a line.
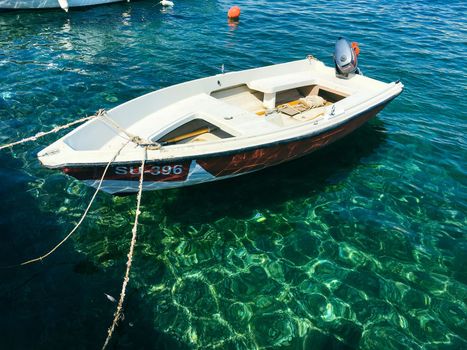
point(223, 113)
point(236, 121)
point(252, 118)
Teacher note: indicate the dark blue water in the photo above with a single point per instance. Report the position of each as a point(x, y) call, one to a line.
point(359, 246)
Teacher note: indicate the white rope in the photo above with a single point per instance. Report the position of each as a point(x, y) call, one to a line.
point(118, 312)
point(150, 145)
point(101, 113)
point(84, 214)
point(54, 130)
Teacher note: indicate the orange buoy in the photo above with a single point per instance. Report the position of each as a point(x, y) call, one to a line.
point(356, 48)
point(234, 12)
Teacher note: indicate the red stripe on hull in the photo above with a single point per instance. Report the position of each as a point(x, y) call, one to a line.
point(257, 159)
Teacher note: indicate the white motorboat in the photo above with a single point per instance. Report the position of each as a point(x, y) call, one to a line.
point(222, 126)
point(49, 4)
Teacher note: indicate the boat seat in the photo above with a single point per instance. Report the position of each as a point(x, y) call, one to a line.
point(241, 96)
point(281, 83)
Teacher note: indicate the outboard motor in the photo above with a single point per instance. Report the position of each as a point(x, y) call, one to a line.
point(345, 58)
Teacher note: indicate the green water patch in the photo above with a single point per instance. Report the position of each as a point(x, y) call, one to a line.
point(318, 265)
point(361, 245)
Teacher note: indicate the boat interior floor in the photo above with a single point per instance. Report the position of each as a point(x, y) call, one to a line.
point(232, 112)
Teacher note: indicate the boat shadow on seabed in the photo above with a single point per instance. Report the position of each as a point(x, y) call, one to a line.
point(271, 187)
point(236, 198)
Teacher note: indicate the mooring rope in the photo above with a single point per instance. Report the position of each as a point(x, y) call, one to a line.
point(118, 312)
point(147, 145)
point(54, 130)
point(102, 114)
point(82, 217)
point(150, 145)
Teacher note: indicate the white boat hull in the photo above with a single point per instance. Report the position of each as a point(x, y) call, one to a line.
point(45, 4)
point(123, 178)
point(218, 127)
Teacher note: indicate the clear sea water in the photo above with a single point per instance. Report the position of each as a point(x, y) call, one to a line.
point(359, 246)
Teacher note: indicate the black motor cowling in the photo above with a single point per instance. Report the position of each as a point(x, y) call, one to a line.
point(346, 58)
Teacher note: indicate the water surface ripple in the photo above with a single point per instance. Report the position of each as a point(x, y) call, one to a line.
point(359, 246)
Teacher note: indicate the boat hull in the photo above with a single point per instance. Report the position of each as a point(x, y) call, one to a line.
point(48, 4)
point(122, 178)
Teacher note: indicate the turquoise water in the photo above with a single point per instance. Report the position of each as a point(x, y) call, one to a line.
point(359, 246)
